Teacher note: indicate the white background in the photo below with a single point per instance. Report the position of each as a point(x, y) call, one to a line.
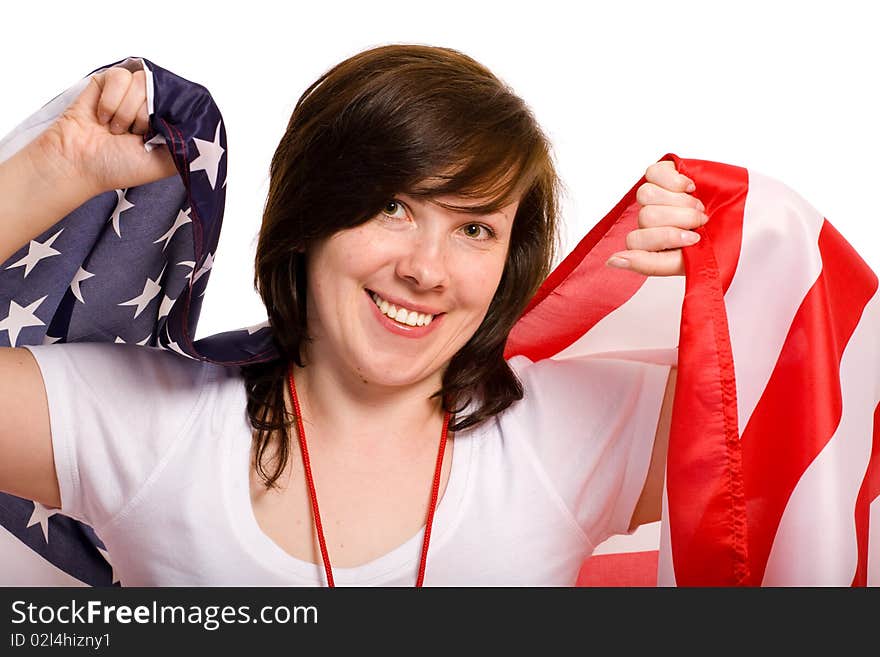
point(788, 89)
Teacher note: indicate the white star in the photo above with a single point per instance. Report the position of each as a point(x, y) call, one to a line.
point(81, 275)
point(41, 515)
point(165, 306)
point(122, 205)
point(182, 218)
point(114, 577)
point(20, 317)
point(151, 289)
point(36, 252)
point(206, 266)
point(48, 339)
point(173, 345)
point(210, 153)
point(119, 340)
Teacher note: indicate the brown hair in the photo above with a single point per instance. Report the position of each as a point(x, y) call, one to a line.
point(421, 120)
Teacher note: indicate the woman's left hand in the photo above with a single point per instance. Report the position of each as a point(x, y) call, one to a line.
point(667, 217)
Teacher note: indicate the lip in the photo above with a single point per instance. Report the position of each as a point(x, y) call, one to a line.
point(398, 328)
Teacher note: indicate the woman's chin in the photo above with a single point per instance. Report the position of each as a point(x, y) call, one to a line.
point(399, 377)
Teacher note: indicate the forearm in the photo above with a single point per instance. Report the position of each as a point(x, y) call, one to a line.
point(36, 192)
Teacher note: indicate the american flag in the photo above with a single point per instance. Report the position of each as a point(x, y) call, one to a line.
point(773, 471)
point(774, 461)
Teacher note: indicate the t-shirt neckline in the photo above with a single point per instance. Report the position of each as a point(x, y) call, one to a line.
point(398, 560)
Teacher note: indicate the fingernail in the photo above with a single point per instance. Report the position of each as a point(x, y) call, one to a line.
point(690, 238)
point(700, 205)
point(103, 118)
point(616, 261)
point(691, 186)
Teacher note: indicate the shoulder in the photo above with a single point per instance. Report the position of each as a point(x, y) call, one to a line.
point(145, 387)
point(582, 385)
point(125, 363)
point(116, 410)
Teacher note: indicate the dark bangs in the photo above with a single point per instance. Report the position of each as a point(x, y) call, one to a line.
point(408, 126)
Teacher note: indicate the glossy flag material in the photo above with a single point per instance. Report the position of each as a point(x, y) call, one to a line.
point(773, 474)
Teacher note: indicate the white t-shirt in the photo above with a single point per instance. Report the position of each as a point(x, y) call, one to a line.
point(152, 450)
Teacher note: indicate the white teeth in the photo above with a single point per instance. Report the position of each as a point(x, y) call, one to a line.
point(402, 315)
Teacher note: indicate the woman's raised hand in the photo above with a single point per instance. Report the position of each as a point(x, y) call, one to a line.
point(667, 217)
point(98, 138)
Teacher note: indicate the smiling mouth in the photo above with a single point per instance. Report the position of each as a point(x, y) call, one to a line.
point(400, 314)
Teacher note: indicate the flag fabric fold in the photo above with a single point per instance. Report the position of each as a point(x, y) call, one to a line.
point(773, 472)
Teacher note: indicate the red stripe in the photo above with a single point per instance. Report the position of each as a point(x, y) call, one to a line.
point(868, 492)
point(704, 473)
point(801, 405)
point(620, 569)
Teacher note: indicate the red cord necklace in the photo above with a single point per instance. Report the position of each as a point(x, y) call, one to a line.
point(435, 488)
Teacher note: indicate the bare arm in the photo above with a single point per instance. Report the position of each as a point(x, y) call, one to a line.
point(36, 191)
point(27, 465)
point(650, 502)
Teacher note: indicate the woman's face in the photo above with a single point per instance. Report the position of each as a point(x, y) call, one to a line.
point(434, 270)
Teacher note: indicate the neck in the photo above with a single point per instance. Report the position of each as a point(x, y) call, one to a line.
point(347, 409)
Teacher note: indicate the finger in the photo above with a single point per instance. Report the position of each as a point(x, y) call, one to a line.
point(664, 174)
point(661, 263)
point(127, 111)
point(114, 85)
point(651, 216)
point(658, 239)
point(651, 194)
point(141, 120)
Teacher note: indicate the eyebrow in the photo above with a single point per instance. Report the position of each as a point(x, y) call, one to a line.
point(462, 209)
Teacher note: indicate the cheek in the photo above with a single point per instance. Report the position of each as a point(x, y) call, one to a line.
point(353, 253)
point(477, 281)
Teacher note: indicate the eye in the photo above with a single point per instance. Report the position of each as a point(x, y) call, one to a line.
point(394, 209)
point(478, 231)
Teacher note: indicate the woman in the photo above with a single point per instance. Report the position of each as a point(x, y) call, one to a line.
point(411, 216)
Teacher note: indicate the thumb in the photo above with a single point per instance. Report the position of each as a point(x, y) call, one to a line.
point(87, 101)
point(146, 166)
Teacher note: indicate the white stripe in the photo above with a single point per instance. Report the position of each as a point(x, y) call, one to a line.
point(778, 264)
point(815, 544)
point(151, 91)
point(644, 328)
point(21, 566)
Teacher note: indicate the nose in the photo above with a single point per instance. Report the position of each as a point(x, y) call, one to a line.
point(424, 262)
